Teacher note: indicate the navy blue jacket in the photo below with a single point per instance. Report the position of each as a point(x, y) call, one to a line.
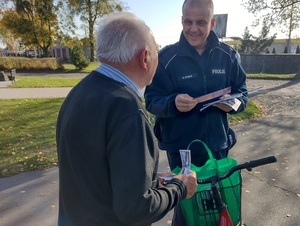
point(182, 70)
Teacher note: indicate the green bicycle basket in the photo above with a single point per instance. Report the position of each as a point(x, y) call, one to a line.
point(201, 208)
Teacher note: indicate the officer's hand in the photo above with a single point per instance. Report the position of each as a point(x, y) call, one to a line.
point(185, 103)
point(223, 107)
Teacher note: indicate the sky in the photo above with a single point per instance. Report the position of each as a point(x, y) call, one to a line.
point(164, 17)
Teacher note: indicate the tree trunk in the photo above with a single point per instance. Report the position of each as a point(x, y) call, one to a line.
point(92, 45)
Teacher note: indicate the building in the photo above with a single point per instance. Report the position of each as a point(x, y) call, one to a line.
point(278, 45)
point(62, 52)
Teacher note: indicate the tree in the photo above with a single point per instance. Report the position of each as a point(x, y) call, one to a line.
point(254, 45)
point(66, 24)
point(262, 41)
point(89, 12)
point(65, 39)
point(4, 4)
point(78, 58)
point(34, 21)
point(247, 41)
point(284, 14)
point(298, 49)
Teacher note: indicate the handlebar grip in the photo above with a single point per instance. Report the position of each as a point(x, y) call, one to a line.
point(247, 165)
point(260, 162)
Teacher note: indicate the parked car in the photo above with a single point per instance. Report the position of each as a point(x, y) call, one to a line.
point(30, 53)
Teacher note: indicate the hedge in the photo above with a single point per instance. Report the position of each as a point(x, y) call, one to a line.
point(29, 64)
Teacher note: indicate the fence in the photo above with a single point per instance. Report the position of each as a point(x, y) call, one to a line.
point(271, 63)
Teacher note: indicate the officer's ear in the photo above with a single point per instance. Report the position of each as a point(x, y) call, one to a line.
point(213, 22)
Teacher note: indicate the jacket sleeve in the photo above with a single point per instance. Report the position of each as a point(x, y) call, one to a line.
point(133, 160)
point(160, 95)
point(238, 84)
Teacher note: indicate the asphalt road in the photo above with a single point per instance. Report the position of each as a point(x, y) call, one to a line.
point(271, 194)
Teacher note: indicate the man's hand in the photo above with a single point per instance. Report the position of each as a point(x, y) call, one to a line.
point(185, 103)
point(190, 182)
point(223, 107)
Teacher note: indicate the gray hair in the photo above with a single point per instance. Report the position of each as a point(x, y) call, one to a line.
point(121, 36)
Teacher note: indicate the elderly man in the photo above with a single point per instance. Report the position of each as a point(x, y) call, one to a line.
point(108, 158)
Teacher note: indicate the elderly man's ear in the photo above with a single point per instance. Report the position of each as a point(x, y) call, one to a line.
point(144, 59)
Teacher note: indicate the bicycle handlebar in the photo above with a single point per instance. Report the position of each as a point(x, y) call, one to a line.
point(260, 162)
point(247, 165)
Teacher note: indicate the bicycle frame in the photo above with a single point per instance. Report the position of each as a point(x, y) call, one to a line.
point(224, 217)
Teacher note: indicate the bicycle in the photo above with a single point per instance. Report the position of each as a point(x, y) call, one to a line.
point(220, 205)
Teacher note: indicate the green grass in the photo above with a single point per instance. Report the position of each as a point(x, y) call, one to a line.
point(271, 76)
point(43, 81)
point(27, 126)
point(70, 68)
point(39, 81)
point(27, 140)
point(252, 111)
point(27, 133)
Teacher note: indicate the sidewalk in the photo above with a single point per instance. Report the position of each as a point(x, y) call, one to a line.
point(271, 194)
point(4, 84)
point(19, 93)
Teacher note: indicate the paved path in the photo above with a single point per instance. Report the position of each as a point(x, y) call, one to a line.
point(271, 194)
point(19, 93)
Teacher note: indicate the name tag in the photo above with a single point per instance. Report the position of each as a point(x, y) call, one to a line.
point(187, 77)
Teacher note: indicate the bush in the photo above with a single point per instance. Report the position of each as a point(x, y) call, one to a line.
point(78, 58)
point(31, 64)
